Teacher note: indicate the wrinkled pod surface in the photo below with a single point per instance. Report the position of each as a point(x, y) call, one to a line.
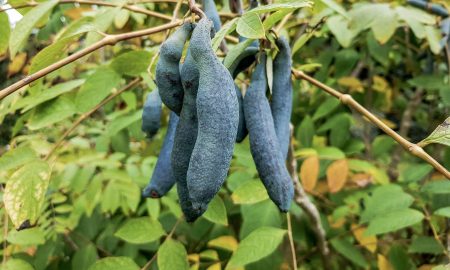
point(151, 114)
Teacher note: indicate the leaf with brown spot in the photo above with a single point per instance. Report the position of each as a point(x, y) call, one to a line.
point(309, 173)
point(337, 174)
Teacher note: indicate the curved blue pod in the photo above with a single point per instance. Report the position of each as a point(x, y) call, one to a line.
point(151, 114)
point(168, 68)
point(218, 118)
point(186, 136)
point(264, 144)
point(242, 128)
point(281, 104)
point(210, 9)
point(162, 179)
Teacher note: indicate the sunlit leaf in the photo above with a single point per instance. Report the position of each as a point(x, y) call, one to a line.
point(250, 26)
point(172, 255)
point(140, 230)
point(440, 135)
point(115, 263)
point(216, 212)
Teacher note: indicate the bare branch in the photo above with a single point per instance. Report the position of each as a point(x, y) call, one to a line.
point(346, 99)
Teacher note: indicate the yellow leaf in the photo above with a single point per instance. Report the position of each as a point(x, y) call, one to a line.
point(352, 83)
point(194, 257)
point(337, 174)
point(309, 173)
point(426, 267)
point(224, 242)
point(369, 242)
point(383, 263)
point(215, 266)
point(17, 63)
point(76, 13)
point(380, 84)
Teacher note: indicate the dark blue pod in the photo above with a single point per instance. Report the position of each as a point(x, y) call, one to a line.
point(186, 136)
point(162, 178)
point(243, 61)
point(210, 9)
point(242, 128)
point(264, 144)
point(218, 118)
point(151, 114)
point(168, 70)
point(281, 104)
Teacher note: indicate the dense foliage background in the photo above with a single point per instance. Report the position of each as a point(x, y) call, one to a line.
point(380, 206)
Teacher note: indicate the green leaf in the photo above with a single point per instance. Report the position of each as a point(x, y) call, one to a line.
point(238, 178)
point(331, 153)
point(31, 101)
point(25, 193)
point(131, 63)
point(339, 26)
point(5, 32)
point(172, 255)
point(433, 36)
point(399, 259)
point(16, 264)
point(336, 7)
point(425, 245)
point(226, 29)
point(286, 5)
point(102, 21)
point(140, 230)
point(415, 172)
point(217, 212)
point(97, 87)
point(23, 28)
point(80, 26)
point(51, 112)
point(326, 108)
point(440, 135)
point(274, 18)
point(262, 214)
point(393, 221)
point(445, 212)
point(84, 257)
point(379, 175)
point(234, 53)
point(385, 23)
point(249, 193)
point(250, 26)
point(122, 122)
point(301, 41)
point(29, 237)
point(16, 157)
point(348, 250)
point(437, 187)
point(115, 263)
point(385, 199)
point(415, 18)
point(305, 132)
point(259, 244)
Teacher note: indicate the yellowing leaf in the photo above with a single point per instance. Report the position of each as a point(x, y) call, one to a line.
point(216, 266)
point(309, 173)
point(383, 263)
point(352, 83)
point(194, 257)
point(380, 84)
point(369, 242)
point(226, 242)
point(337, 174)
point(17, 64)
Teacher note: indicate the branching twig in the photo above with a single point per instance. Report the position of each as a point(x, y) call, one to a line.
point(195, 9)
point(169, 236)
point(301, 198)
point(107, 40)
point(347, 99)
point(89, 113)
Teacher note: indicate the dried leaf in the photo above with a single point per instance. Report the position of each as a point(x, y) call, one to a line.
point(309, 173)
point(337, 174)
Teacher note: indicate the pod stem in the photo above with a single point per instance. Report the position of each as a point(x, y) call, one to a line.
point(414, 149)
point(195, 9)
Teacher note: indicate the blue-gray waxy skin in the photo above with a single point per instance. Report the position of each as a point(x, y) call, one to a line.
point(264, 144)
point(218, 118)
point(186, 136)
point(151, 114)
point(242, 127)
point(210, 9)
point(281, 104)
point(162, 179)
point(243, 61)
point(168, 71)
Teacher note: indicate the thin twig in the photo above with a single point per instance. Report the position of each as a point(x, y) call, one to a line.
point(89, 113)
point(169, 236)
point(302, 199)
point(291, 241)
point(348, 100)
point(195, 9)
point(107, 40)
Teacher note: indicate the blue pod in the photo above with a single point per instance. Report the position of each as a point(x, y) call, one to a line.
point(242, 128)
point(151, 114)
point(162, 179)
point(281, 104)
point(264, 144)
point(218, 118)
point(168, 68)
point(210, 9)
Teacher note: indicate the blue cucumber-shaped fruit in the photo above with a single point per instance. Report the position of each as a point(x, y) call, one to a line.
point(218, 118)
point(281, 104)
point(168, 70)
point(243, 61)
point(242, 128)
point(210, 9)
point(151, 114)
point(264, 144)
point(186, 135)
point(162, 179)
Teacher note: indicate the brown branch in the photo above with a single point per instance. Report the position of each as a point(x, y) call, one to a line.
point(195, 9)
point(347, 99)
point(107, 40)
point(301, 198)
point(169, 236)
point(89, 113)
